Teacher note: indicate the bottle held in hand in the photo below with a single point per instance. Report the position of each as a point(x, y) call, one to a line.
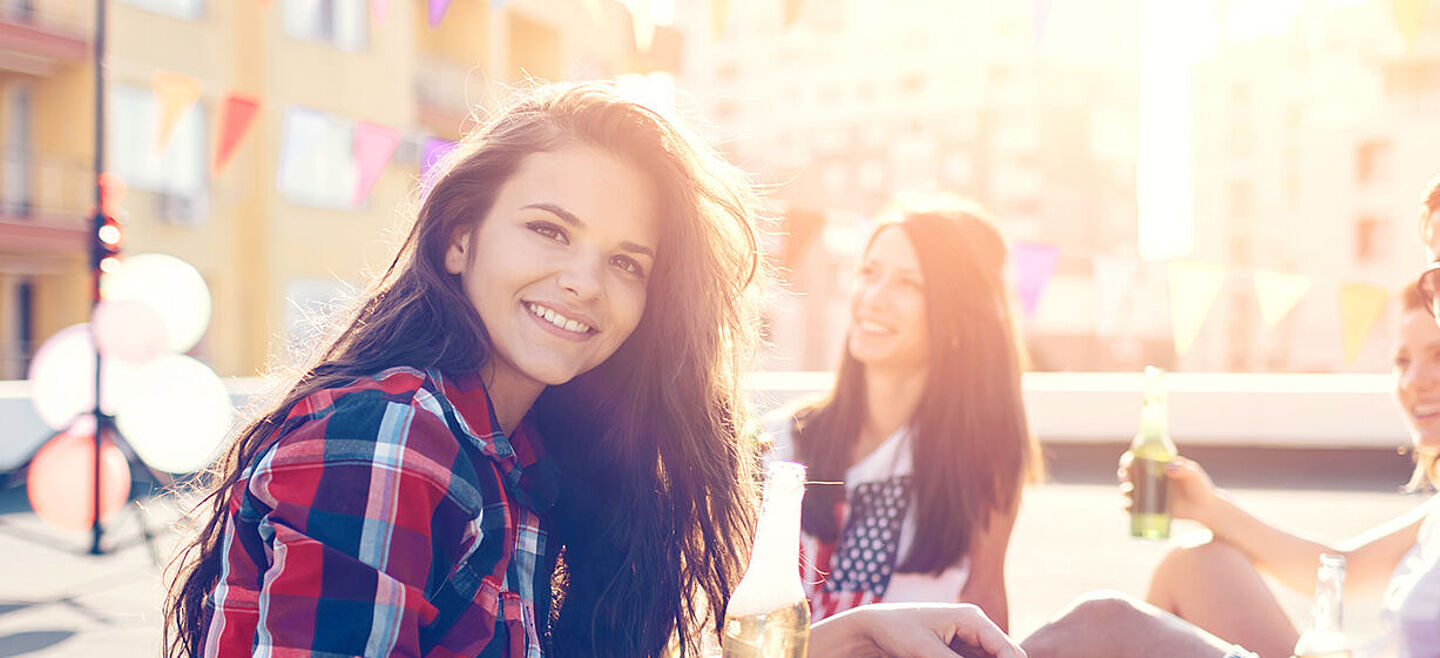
point(768, 616)
point(1324, 638)
point(1150, 452)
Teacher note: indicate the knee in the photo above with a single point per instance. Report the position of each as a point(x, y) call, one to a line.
point(1201, 560)
point(1087, 626)
point(1104, 609)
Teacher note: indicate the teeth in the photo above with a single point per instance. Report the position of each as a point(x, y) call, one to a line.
point(872, 327)
point(559, 320)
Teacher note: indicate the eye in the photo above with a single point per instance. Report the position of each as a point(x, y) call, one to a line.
point(1402, 361)
point(628, 265)
point(913, 283)
point(549, 231)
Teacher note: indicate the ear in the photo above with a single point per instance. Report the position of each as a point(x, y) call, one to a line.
point(457, 255)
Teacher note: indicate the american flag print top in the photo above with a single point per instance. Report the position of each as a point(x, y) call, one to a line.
point(877, 529)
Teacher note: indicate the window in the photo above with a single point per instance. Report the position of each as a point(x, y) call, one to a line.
point(1367, 239)
point(1370, 159)
point(186, 9)
point(341, 23)
point(317, 159)
point(18, 156)
point(177, 173)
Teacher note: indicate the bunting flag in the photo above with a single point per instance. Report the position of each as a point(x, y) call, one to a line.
point(380, 10)
point(642, 19)
point(1040, 19)
point(1409, 16)
point(792, 11)
point(1193, 290)
point(437, 11)
point(1114, 279)
point(237, 113)
point(434, 150)
point(374, 144)
point(1360, 307)
point(497, 5)
point(1034, 265)
point(1278, 293)
point(176, 93)
point(592, 7)
point(719, 12)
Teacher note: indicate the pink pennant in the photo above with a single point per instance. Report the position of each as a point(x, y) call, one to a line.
point(1041, 18)
point(437, 11)
point(380, 9)
point(236, 115)
point(1034, 265)
point(374, 144)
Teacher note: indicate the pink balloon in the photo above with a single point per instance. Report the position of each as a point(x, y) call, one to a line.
point(61, 481)
point(62, 378)
point(130, 330)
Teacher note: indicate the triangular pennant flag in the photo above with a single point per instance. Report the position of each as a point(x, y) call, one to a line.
point(719, 12)
point(380, 10)
point(1114, 279)
point(497, 5)
point(1277, 293)
point(1360, 306)
point(642, 19)
point(299, 140)
point(792, 11)
point(592, 7)
point(176, 93)
point(433, 151)
point(1040, 19)
point(1034, 265)
point(237, 113)
point(437, 11)
point(1193, 290)
point(1409, 15)
point(374, 144)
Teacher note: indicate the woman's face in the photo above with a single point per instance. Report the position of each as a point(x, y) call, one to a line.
point(887, 307)
point(558, 268)
point(1417, 377)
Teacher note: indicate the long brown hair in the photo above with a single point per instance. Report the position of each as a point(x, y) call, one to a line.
point(658, 478)
point(972, 446)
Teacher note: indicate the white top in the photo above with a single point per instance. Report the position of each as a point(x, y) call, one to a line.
point(878, 526)
point(1411, 605)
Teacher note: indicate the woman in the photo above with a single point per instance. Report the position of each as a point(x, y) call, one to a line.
point(579, 271)
point(925, 426)
point(1217, 586)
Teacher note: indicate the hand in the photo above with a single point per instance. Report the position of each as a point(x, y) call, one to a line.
point(912, 630)
point(1190, 491)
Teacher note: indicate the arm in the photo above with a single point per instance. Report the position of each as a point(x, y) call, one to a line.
point(985, 586)
point(903, 630)
point(1290, 558)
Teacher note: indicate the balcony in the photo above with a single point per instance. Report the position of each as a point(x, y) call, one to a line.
point(40, 40)
point(44, 200)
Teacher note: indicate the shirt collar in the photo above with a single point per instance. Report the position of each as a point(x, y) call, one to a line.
point(529, 473)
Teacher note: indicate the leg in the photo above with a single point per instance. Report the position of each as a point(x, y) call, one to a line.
point(1114, 625)
point(1215, 587)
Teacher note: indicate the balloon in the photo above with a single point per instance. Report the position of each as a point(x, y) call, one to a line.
point(170, 286)
point(130, 330)
point(62, 377)
point(175, 414)
point(61, 481)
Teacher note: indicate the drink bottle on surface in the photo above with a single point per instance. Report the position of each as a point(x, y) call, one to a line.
point(768, 616)
point(1150, 451)
point(1324, 638)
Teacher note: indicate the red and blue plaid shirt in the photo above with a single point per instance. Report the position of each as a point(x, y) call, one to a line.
point(391, 516)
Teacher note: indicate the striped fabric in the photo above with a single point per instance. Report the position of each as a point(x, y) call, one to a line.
point(390, 516)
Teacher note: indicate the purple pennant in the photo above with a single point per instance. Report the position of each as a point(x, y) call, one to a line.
point(1041, 19)
point(434, 150)
point(1034, 265)
point(437, 11)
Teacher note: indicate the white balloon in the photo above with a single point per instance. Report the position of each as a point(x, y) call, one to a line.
point(170, 286)
point(129, 330)
point(62, 378)
point(176, 415)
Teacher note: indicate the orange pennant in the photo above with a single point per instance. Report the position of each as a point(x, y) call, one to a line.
point(1360, 306)
point(237, 113)
point(719, 12)
point(176, 93)
point(792, 11)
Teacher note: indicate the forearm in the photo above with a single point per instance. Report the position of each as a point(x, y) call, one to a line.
point(840, 635)
point(1288, 557)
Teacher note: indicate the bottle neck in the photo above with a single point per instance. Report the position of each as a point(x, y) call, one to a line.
point(772, 580)
point(1329, 594)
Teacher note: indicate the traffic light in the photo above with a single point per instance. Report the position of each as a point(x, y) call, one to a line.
point(109, 233)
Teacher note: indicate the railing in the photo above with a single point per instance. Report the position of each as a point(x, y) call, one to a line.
point(44, 185)
point(1274, 410)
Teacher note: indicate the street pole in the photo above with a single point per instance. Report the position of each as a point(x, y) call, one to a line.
point(96, 530)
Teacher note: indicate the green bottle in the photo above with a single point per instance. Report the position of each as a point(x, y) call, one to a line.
point(1150, 452)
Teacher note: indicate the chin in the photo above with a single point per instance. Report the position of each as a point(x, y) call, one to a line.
point(1427, 443)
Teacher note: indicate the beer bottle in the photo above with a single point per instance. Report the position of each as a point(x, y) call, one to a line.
point(1150, 452)
point(1324, 638)
point(768, 616)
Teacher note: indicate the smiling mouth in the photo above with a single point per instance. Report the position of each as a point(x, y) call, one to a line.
point(557, 320)
point(1425, 414)
point(870, 327)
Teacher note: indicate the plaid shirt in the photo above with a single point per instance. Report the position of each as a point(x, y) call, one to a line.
point(390, 516)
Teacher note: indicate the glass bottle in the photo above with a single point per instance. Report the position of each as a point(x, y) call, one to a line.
point(1324, 638)
point(768, 616)
point(1150, 451)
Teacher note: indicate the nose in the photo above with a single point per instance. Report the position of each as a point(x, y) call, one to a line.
point(582, 277)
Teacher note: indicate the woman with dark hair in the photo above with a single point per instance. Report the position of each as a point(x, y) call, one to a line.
point(925, 425)
point(523, 442)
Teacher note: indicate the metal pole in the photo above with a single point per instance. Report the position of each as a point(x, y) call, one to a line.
point(96, 530)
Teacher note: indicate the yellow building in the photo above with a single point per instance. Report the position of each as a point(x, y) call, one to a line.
point(274, 233)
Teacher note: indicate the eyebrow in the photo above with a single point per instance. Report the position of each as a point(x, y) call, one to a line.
point(572, 220)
